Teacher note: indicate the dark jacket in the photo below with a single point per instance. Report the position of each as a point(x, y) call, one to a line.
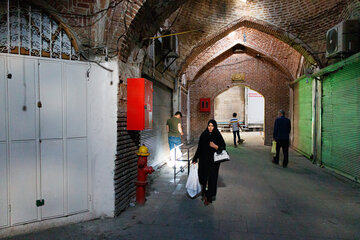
point(282, 128)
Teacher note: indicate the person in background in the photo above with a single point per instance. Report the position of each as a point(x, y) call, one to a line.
point(234, 122)
point(174, 129)
point(211, 141)
point(282, 128)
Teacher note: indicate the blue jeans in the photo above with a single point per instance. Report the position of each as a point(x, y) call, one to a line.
point(174, 141)
point(238, 134)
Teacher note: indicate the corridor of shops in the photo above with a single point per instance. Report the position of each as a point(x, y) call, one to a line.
point(256, 200)
point(102, 101)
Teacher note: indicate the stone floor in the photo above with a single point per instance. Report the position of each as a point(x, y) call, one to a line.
point(256, 200)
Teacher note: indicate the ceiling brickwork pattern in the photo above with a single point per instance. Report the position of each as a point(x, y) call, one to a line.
point(303, 21)
point(122, 24)
point(264, 44)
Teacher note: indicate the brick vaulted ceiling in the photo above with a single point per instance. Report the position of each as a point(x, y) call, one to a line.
point(122, 24)
point(301, 24)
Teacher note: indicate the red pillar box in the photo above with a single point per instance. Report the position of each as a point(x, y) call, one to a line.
point(139, 104)
point(204, 104)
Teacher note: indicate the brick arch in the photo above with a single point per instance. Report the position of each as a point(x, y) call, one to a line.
point(259, 25)
point(247, 50)
point(265, 79)
point(74, 14)
point(146, 22)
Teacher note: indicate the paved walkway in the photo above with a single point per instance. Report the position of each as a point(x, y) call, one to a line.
point(256, 200)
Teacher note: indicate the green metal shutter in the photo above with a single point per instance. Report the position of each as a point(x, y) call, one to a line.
point(302, 122)
point(341, 121)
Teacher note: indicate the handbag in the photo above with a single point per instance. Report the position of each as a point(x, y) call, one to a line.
point(193, 186)
point(221, 157)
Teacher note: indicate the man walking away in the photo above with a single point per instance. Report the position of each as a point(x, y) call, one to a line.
point(174, 129)
point(234, 122)
point(282, 128)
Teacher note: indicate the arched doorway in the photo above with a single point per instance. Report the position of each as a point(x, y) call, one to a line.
point(249, 106)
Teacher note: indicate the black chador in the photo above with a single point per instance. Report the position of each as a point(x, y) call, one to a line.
point(208, 170)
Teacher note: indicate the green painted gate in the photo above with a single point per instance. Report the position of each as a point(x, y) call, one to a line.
point(341, 119)
point(302, 122)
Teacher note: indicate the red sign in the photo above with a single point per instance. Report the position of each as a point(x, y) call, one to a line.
point(204, 104)
point(254, 94)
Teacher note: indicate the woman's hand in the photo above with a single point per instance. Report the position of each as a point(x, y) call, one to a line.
point(213, 145)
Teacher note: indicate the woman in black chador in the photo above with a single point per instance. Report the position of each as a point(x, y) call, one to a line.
point(210, 142)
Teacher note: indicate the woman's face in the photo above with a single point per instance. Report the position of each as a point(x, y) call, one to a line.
point(210, 127)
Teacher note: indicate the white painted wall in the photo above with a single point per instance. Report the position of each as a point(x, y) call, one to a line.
point(102, 136)
point(255, 107)
point(228, 102)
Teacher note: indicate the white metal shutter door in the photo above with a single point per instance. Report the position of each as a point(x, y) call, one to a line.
point(156, 140)
point(51, 135)
point(21, 89)
point(76, 115)
point(23, 171)
point(23, 182)
point(52, 178)
point(2, 100)
point(77, 175)
point(76, 98)
point(3, 148)
point(3, 186)
point(51, 118)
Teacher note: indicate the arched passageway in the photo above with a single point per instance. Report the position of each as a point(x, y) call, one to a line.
point(249, 106)
point(260, 75)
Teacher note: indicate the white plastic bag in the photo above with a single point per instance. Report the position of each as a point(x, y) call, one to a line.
point(193, 186)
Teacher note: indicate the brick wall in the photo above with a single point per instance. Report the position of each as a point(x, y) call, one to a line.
point(260, 75)
point(128, 142)
point(183, 109)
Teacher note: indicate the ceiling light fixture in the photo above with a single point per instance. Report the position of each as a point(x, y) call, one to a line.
point(244, 1)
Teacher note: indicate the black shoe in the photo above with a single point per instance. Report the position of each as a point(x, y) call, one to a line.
point(274, 161)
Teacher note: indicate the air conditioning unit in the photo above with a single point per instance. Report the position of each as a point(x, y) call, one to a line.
point(343, 39)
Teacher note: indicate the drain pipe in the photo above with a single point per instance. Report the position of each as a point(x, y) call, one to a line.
point(314, 121)
point(188, 137)
point(317, 121)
